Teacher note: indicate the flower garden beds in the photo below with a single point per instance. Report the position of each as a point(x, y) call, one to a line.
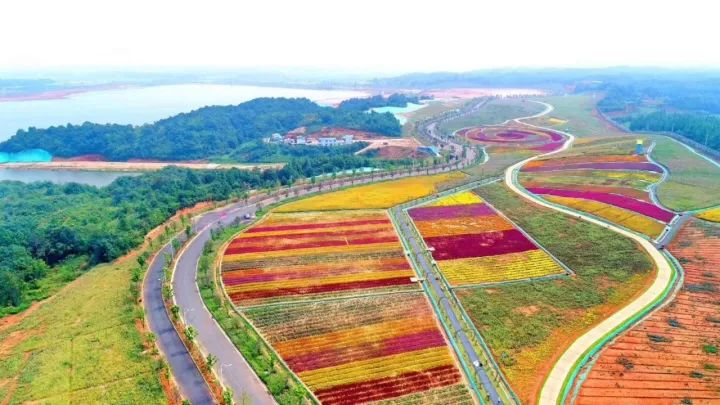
point(671, 357)
point(710, 215)
point(300, 256)
point(514, 137)
point(613, 187)
point(366, 349)
point(473, 244)
point(377, 195)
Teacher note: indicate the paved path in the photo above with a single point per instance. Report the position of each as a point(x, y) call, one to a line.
point(552, 389)
point(420, 258)
point(189, 380)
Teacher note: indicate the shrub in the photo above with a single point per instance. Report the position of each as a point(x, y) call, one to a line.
point(625, 362)
point(710, 349)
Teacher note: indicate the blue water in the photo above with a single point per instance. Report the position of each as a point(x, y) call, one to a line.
point(142, 105)
point(26, 156)
point(93, 178)
point(399, 112)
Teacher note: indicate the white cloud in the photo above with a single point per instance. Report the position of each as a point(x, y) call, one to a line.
point(386, 35)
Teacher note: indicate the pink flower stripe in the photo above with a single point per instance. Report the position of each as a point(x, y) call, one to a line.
point(450, 211)
point(312, 360)
point(327, 243)
point(549, 147)
point(317, 289)
point(631, 204)
point(317, 225)
point(646, 166)
point(479, 245)
point(238, 277)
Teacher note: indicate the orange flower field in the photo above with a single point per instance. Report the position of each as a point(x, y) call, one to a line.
point(363, 350)
point(311, 255)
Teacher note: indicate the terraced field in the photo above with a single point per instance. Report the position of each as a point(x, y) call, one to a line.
point(473, 244)
point(612, 187)
point(671, 357)
point(366, 349)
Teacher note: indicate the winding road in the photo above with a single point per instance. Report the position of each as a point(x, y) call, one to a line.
point(555, 386)
point(232, 368)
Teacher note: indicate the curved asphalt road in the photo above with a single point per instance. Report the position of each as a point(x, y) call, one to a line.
point(231, 366)
point(551, 392)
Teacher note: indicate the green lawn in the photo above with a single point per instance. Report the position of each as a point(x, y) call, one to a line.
point(81, 347)
point(694, 182)
point(579, 112)
point(494, 112)
point(527, 324)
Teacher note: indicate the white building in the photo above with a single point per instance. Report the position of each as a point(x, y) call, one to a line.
point(347, 139)
point(300, 140)
point(328, 141)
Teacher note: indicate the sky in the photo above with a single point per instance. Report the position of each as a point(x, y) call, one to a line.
point(390, 36)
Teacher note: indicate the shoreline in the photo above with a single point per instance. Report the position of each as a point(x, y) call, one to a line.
point(64, 93)
point(91, 166)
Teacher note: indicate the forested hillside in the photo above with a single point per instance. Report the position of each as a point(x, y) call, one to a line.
point(45, 226)
point(231, 132)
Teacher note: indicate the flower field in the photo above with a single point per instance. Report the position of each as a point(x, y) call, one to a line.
point(473, 244)
point(613, 187)
point(363, 350)
point(711, 215)
point(292, 256)
point(377, 195)
point(514, 137)
point(671, 357)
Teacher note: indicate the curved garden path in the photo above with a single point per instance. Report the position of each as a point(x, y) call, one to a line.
point(557, 383)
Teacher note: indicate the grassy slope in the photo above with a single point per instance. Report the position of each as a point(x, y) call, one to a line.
point(694, 183)
point(528, 325)
point(81, 346)
point(494, 112)
point(579, 111)
point(434, 108)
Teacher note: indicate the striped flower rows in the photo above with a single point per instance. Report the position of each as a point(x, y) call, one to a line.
point(473, 244)
point(363, 350)
point(311, 255)
point(515, 137)
point(613, 187)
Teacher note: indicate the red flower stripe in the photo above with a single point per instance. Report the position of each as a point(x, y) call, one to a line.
point(317, 225)
point(278, 292)
point(479, 245)
point(631, 204)
point(310, 235)
point(383, 388)
point(647, 166)
point(317, 244)
point(450, 211)
point(312, 360)
point(238, 277)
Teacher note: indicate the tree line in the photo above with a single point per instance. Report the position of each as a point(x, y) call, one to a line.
point(701, 128)
point(364, 104)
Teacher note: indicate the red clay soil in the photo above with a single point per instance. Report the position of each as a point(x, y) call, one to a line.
point(668, 358)
point(335, 131)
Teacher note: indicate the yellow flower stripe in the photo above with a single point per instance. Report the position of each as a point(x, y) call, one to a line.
point(370, 248)
point(358, 263)
point(511, 266)
point(369, 334)
point(631, 220)
point(376, 368)
point(378, 195)
point(310, 281)
point(712, 215)
point(462, 225)
point(464, 198)
point(288, 243)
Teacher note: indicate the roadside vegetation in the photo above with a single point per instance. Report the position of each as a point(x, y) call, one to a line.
point(529, 325)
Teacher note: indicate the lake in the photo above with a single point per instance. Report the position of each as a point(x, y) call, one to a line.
point(62, 176)
point(399, 112)
point(140, 105)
